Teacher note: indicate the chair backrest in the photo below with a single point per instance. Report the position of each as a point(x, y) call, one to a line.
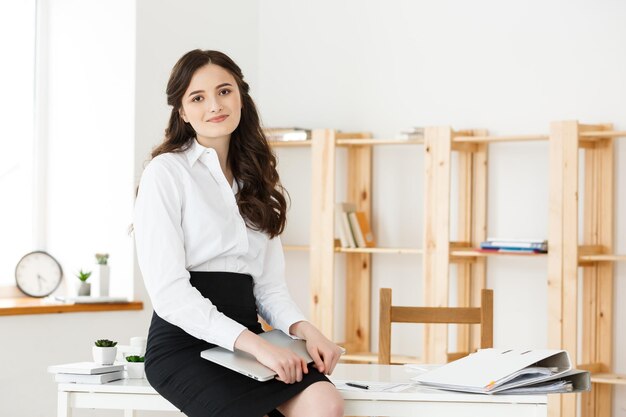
point(482, 315)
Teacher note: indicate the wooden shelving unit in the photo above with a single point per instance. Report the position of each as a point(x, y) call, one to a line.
point(595, 255)
point(565, 256)
point(358, 260)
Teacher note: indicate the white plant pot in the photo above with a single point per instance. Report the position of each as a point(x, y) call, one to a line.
point(84, 288)
point(104, 355)
point(101, 282)
point(134, 370)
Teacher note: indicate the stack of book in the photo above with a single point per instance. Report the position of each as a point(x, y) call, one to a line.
point(411, 133)
point(515, 245)
point(288, 134)
point(352, 227)
point(86, 373)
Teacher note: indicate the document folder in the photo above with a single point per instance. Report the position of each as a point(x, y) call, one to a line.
point(512, 371)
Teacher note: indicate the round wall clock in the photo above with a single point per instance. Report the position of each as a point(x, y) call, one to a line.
point(38, 274)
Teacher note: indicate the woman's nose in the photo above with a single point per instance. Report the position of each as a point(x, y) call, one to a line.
point(214, 105)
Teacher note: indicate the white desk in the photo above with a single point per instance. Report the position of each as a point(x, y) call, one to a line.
point(131, 395)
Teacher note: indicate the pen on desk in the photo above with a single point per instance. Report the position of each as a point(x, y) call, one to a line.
point(355, 385)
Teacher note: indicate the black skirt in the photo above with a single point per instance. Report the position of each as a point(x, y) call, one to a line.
point(200, 388)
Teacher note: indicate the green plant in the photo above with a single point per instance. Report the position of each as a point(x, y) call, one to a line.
point(83, 275)
point(105, 343)
point(102, 258)
point(134, 358)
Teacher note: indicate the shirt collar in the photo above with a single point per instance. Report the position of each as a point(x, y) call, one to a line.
point(194, 152)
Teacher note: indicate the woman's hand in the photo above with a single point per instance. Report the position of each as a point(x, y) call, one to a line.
point(325, 354)
point(288, 366)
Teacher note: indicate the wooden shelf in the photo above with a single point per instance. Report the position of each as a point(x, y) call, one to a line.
point(486, 139)
point(612, 379)
point(362, 142)
point(372, 357)
point(381, 250)
point(290, 144)
point(601, 257)
point(604, 134)
point(401, 251)
point(26, 305)
point(461, 253)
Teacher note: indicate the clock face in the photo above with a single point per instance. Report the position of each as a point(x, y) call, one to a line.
point(38, 274)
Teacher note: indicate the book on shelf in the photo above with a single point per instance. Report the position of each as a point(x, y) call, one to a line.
point(89, 379)
point(343, 224)
point(528, 245)
point(84, 368)
point(286, 134)
point(352, 227)
point(510, 371)
point(411, 133)
point(361, 229)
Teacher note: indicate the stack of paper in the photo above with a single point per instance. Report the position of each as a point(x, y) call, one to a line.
point(491, 371)
point(86, 373)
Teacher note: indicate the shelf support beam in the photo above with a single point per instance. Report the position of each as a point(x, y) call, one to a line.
point(563, 250)
point(322, 255)
point(437, 149)
point(472, 228)
point(597, 297)
point(358, 265)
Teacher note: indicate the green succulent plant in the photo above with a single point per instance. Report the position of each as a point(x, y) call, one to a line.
point(102, 258)
point(105, 343)
point(82, 275)
point(134, 358)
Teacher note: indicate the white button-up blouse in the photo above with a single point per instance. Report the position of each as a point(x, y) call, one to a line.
point(186, 219)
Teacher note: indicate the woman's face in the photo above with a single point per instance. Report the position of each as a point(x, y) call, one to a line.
point(212, 104)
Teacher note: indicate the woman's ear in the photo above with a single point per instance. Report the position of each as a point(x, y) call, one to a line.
point(181, 111)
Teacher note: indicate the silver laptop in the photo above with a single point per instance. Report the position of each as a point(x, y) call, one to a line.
point(245, 363)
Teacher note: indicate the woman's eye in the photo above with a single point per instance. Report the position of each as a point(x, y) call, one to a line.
point(224, 92)
point(197, 98)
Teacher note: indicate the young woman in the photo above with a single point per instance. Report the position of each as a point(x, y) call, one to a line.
point(208, 216)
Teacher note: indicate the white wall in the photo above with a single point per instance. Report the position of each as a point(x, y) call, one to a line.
point(352, 65)
point(510, 67)
point(88, 127)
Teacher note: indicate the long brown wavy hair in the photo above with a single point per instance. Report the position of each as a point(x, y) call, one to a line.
point(261, 197)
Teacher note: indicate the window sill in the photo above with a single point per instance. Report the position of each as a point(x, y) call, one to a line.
point(25, 305)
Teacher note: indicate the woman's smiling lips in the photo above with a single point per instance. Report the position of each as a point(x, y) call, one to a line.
point(218, 119)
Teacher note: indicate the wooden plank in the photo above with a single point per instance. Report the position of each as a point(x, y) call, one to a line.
point(437, 150)
point(570, 252)
point(26, 305)
point(514, 138)
point(612, 379)
point(435, 314)
point(322, 230)
point(397, 251)
point(384, 331)
point(370, 142)
point(604, 314)
point(558, 136)
point(358, 265)
point(464, 233)
point(589, 296)
point(479, 229)
point(486, 319)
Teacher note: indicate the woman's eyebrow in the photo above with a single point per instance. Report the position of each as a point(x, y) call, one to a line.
point(218, 87)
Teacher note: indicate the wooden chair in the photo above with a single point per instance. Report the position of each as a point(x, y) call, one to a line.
point(482, 315)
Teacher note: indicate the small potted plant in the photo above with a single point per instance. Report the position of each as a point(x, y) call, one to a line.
point(134, 366)
point(102, 278)
point(104, 352)
point(84, 287)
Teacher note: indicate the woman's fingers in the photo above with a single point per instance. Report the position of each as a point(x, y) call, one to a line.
point(317, 360)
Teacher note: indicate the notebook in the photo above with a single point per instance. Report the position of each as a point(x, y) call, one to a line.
point(246, 364)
